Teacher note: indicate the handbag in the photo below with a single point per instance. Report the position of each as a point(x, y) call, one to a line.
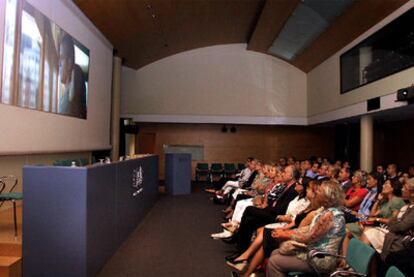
point(291, 247)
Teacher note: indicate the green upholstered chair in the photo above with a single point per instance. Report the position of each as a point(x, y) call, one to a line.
point(63, 163)
point(216, 171)
point(229, 170)
point(240, 167)
point(202, 171)
point(83, 161)
point(358, 257)
point(10, 195)
point(394, 272)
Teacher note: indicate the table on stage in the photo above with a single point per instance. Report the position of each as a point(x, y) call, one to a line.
point(75, 218)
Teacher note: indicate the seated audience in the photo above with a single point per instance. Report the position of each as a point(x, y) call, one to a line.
point(346, 164)
point(338, 163)
point(304, 167)
point(270, 203)
point(243, 176)
point(374, 187)
point(259, 182)
point(333, 172)
point(291, 160)
point(404, 176)
point(411, 171)
point(313, 171)
point(273, 178)
point(323, 172)
point(257, 174)
point(392, 171)
point(356, 193)
point(257, 248)
point(324, 233)
point(278, 201)
point(282, 162)
point(344, 177)
point(398, 230)
point(397, 186)
point(386, 205)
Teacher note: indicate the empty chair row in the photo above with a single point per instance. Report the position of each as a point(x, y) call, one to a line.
point(217, 170)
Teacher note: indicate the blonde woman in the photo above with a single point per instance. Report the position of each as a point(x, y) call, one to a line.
point(324, 233)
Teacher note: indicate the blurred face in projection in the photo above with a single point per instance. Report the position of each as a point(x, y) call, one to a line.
point(72, 98)
point(66, 61)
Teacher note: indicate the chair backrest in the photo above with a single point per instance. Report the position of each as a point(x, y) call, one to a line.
point(216, 167)
point(2, 186)
point(202, 166)
point(229, 167)
point(359, 255)
point(240, 166)
point(83, 161)
point(394, 272)
point(62, 163)
point(9, 181)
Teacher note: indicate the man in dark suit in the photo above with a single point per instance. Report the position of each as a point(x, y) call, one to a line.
point(345, 178)
point(254, 217)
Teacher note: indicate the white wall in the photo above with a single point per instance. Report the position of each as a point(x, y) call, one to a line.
point(324, 81)
point(29, 131)
point(224, 82)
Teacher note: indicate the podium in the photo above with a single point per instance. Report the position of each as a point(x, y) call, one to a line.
point(178, 173)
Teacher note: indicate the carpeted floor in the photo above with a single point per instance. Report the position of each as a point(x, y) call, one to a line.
point(174, 240)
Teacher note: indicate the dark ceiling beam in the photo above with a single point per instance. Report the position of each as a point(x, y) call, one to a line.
point(355, 21)
point(271, 21)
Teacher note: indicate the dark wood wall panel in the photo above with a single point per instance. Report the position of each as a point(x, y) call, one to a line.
point(267, 143)
point(394, 143)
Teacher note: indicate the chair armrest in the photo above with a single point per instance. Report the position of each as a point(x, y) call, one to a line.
point(346, 273)
point(316, 253)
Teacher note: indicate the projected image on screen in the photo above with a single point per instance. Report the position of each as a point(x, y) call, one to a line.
point(44, 68)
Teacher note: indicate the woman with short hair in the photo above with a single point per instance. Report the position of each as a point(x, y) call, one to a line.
point(356, 193)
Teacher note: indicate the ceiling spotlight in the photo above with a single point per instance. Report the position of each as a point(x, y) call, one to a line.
point(233, 129)
point(224, 129)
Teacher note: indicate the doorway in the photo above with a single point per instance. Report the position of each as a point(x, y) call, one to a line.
point(145, 143)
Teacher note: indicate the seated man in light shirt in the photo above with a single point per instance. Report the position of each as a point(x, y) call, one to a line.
point(243, 176)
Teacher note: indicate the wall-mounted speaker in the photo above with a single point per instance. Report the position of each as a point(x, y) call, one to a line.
point(373, 104)
point(406, 94)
